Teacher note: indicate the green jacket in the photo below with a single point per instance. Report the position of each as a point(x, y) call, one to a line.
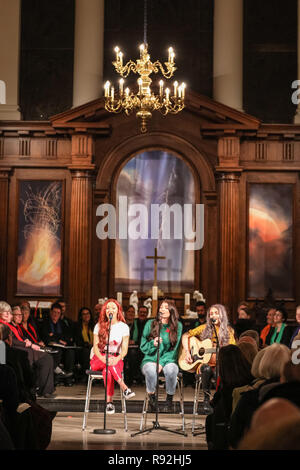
point(166, 354)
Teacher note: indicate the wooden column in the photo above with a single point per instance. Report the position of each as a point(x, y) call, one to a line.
point(80, 224)
point(4, 191)
point(228, 175)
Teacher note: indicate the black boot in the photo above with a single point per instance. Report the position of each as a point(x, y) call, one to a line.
point(169, 404)
point(207, 409)
point(151, 403)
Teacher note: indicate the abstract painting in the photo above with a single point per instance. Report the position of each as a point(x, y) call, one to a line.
point(39, 238)
point(270, 255)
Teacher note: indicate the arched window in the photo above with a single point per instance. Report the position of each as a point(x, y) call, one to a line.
point(147, 181)
point(2, 92)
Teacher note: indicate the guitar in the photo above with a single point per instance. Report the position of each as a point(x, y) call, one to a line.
point(201, 352)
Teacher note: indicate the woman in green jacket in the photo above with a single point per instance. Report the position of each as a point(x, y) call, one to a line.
point(170, 335)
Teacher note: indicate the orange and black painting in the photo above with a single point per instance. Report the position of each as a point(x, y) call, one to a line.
point(270, 255)
point(39, 238)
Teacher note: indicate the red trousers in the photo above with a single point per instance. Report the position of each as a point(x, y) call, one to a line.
point(113, 373)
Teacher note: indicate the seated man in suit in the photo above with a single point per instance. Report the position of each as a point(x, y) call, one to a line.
point(54, 330)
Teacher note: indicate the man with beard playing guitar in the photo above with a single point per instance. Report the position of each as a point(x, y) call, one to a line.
point(217, 322)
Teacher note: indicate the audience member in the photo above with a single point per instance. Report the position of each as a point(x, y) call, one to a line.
point(133, 360)
point(41, 362)
point(55, 332)
point(235, 371)
point(249, 350)
point(280, 332)
point(270, 323)
point(266, 368)
point(244, 321)
point(275, 426)
point(18, 361)
point(19, 425)
point(84, 338)
point(66, 319)
point(290, 372)
point(297, 329)
point(97, 311)
point(201, 312)
point(253, 334)
point(28, 328)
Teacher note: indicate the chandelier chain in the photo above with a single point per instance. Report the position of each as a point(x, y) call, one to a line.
point(145, 22)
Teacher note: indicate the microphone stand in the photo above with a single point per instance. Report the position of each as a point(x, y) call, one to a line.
point(201, 427)
point(104, 430)
point(156, 424)
point(217, 352)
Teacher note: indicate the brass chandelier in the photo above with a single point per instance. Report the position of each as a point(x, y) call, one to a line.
point(145, 101)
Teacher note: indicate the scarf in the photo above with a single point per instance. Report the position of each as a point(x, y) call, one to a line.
point(278, 339)
point(33, 334)
point(14, 330)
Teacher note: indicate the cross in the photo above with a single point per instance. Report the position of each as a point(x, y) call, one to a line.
point(155, 258)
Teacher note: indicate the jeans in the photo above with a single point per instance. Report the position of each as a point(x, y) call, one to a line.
point(170, 372)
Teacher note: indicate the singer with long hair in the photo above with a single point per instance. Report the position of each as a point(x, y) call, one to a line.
point(216, 322)
point(169, 339)
point(117, 349)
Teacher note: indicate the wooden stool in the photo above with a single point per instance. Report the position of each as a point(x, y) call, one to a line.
point(97, 375)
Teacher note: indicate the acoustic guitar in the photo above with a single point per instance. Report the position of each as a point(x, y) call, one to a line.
point(201, 353)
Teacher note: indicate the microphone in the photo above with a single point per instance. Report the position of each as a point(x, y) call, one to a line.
point(213, 320)
point(110, 316)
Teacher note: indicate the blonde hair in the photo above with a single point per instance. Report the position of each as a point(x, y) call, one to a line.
point(256, 363)
point(275, 357)
point(4, 307)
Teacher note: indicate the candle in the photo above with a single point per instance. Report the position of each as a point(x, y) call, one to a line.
point(186, 299)
point(112, 93)
point(172, 57)
point(127, 92)
point(175, 88)
point(121, 82)
point(116, 51)
point(161, 87)
point(170, 53)
point(154, 292)
point(140, 85)
point(183, 89)
point(142, 47)
point(119, 297)
point(121, 58)
point(106, 88)
point(167, 94)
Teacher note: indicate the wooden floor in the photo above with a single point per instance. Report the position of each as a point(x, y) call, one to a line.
point(67, 431)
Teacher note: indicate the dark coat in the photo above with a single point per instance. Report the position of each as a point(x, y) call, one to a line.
point(54, 333)
point(217, 423)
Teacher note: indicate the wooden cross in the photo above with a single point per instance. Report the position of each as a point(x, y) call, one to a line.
point(155, 258)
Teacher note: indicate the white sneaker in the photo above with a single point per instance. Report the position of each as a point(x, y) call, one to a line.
point(110, 408)
point(128, 394)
